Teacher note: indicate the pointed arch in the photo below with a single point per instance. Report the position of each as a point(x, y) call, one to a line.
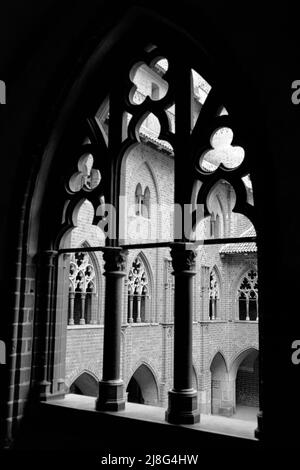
point(138, 199)
point(86, 383)
point(44, 244)
point(85, 288)
point(220, 403)
point(246, 296)
point(142, 386)
point(239, 358)
point(151, 170)
point(147, 203)
point(219, 354)
point(245, 375)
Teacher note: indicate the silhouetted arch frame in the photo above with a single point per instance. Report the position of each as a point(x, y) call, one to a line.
point(52, 204)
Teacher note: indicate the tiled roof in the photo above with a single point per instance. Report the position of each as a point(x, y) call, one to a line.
point(245, 247)
point(147, 134)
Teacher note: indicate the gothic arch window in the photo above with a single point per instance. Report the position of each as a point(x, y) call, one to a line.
point(212, 225)
point(142, 202)
point(139, 200)
point(214, 295)
point(206, 162)
point(248, 297)
point(217, 226)
point(146, 205)
point(138, 293)
point(82, 309)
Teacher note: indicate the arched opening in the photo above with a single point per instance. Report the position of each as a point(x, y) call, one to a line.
point(142, 387)
point(247, 387)
point(221, 395)
point(85, 384)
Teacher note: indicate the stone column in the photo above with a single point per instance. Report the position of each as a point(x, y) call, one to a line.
point(82, 317)
point(183, 399)
point(130, 312)
point(138, 317)
point(71, 312)
point(47, 266)
point(111, 387)
point(213, 308)
point(247, 309)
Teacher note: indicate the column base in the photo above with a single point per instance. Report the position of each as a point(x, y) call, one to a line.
point(226, 411)
point(183, 407)
point(48, 391)
point(111, 396)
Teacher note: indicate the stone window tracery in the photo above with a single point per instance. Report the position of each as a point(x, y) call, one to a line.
point(138, 292)
point(248, 296)
point(214, 295)
point(82, 290)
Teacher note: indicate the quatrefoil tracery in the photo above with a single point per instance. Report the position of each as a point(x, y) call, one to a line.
point(137, 279)
point(82, 274)
point(213, 286)
point(249, 285)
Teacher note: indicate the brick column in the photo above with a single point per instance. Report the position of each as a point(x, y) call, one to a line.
point(183, 399)
point(111, 387)
point(47, 266)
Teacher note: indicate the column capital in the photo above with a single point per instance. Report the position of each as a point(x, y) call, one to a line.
point(183, 258)
point(115, 260)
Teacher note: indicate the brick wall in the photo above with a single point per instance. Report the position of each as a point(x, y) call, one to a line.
point(247, 386)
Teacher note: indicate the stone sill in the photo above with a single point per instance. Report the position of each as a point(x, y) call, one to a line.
point(208, 423)
point(212, 322)
point(141, 324)
point(84, 327)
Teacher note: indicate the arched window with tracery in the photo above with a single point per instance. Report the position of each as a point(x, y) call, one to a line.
point(139, 200)
point(206, 150)
point(248, 297)
point(138, 293)
point(214, 295)
point(82, 290)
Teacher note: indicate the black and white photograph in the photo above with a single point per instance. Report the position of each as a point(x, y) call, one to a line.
point(149, 259)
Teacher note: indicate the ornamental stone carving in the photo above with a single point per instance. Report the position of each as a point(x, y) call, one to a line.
point(115, 260)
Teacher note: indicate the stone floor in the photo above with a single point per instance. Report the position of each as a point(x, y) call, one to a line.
point(247, 413)
point(240, 425)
